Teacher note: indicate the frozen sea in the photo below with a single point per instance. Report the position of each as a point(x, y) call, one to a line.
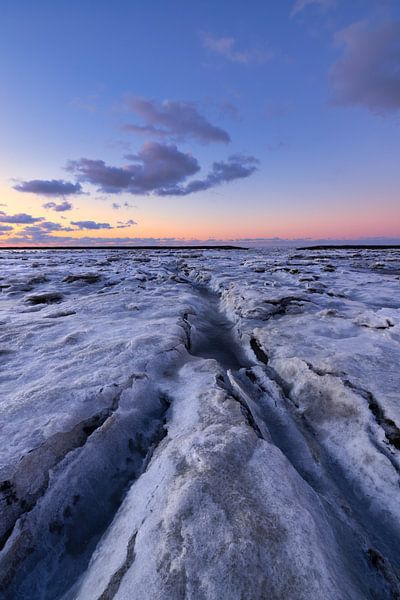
point(200, 424)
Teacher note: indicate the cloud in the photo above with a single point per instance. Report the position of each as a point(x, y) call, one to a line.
point(156, 166)
point(274, 242)
point(33, 238)
point(129, 223)
point(51, 187)
point(43, 232)
point(50, 226)
point(46, 227)
point(20, 218)
point(64, 206)
point(300, 5)
point(368, 73)
point(236, 167)
point(172, 119)
point(227, 48)
point(161, 170)
point(40, 233)
point(91, 225)
point(117, 206)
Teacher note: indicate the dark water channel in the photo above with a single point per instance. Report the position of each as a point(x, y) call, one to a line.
point(212, 334)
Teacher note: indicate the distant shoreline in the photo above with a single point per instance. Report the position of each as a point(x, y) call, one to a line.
point(205, 247)
point(122, 248)
point(352, 247)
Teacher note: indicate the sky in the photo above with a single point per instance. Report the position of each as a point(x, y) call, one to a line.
point(141, 122)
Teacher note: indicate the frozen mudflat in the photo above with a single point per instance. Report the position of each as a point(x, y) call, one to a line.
point(200, 424)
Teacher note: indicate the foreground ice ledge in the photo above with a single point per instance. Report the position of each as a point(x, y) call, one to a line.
point(220, 513)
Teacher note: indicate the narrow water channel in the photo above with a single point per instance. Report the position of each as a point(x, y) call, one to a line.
point(213, 336)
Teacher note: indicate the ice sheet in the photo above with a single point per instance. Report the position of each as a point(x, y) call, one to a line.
point(199, 424)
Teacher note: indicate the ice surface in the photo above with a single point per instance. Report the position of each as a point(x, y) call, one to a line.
point(199, 424)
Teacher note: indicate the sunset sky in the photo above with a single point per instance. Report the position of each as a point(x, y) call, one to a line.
point(162, 121)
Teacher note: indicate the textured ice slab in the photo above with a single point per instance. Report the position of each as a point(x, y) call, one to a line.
point(199, 424)
point(220, 513)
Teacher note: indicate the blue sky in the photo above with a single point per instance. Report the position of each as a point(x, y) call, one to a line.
point(219, 120)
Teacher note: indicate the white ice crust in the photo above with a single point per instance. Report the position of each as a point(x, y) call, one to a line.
point(199, 424)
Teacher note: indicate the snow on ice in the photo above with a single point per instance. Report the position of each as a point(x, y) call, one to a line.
point(202, 424)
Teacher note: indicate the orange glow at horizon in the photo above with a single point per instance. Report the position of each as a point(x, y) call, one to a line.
point(184, 220)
